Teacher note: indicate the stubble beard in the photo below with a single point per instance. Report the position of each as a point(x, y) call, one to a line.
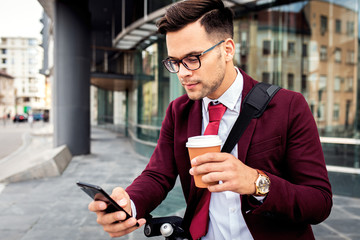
point(207, 89)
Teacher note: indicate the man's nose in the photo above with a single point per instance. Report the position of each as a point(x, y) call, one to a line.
point(183, 71)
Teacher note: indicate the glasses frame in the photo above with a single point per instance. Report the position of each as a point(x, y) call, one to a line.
point(177, 62)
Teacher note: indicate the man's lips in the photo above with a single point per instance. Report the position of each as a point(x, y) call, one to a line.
point(190, 85)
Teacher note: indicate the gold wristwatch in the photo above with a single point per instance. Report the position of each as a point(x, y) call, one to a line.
point(262, 184)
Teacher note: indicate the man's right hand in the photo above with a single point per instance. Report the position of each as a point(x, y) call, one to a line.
point(113, 223)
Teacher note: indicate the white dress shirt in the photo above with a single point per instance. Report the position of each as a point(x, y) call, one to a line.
point(226, 219)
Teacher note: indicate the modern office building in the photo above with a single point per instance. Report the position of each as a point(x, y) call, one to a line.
point(7, 95)
point(108, 62)
point(21, 57)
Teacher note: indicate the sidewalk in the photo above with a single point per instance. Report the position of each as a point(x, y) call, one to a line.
point(54, 208)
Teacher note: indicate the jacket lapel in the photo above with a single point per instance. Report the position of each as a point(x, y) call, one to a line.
point(195, 119)
point(193, 129)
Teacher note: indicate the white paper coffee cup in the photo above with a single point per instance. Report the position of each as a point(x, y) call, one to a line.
point(199, 145)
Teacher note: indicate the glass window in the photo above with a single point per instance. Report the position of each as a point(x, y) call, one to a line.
point(338, 55)
point(350, 57)
point(323, 24)
point(291, 81)
point(277, 47)
point(337, 84)
point(315, 52)
point(349, 82)
point(244, 40)
point(154, 5)
point(350, 28)
point(338, 26)
point(291, 48)
point(321, 112)
point(336, 114)
point(322, 82)
point(266, 77)
point(304, 50)
point(309, 40)
point(134, 10)
point(32, 42)
point(153, 91)
point(323, 53)
point(277, 78)
point(105, 106)
point(303, 83)
point(266, 47)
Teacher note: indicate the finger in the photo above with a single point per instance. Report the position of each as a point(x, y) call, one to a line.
point(96, 206)
point(118, 193)
point(122, 198)
point(141, 222)
point(213, 177)
point(224, 186)
point(209, 167)
point(110, 218)
point(218, 188)
point(126, 226)
point(209, 157)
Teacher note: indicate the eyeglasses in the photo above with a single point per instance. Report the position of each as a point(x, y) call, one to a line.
point(190, 62)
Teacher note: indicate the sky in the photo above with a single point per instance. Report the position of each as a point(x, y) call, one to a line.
point(20, 18)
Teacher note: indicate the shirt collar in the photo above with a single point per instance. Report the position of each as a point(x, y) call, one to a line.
point(231, 96)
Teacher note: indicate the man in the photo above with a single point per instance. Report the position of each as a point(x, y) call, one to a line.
point(281, 148)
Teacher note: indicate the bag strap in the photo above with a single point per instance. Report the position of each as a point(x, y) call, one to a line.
point(254, 105)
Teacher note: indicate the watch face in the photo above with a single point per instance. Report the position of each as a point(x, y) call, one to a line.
point(263, 185)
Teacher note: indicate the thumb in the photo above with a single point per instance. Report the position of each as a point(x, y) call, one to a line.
point(122, 198)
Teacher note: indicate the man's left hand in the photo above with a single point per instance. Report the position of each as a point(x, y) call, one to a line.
point(234, 174)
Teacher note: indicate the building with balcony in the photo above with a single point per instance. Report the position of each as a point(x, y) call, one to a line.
point(107, 69)
point(7, 95)
point(21, 58)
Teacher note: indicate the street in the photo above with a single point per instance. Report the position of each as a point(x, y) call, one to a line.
point(11, 135)
point(55, 208)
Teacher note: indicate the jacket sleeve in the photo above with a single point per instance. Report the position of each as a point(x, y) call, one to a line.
point(300, 190)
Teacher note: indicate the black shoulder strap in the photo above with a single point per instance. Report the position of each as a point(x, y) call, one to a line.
point(253, 106)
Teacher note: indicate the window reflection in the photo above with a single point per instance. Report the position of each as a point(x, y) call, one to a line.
point(152, 92)
point(308, 47)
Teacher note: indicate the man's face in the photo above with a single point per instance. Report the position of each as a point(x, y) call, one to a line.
point(205, 81)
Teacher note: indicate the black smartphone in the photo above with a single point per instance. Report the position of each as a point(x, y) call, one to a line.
point(98, 194)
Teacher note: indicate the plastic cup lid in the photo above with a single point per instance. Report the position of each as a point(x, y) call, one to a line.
point(203, 141)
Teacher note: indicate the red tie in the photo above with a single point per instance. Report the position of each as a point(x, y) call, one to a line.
point(200, 222)
point(215, 114)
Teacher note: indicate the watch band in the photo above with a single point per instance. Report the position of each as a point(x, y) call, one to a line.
point(260, 172)
point(257, 191)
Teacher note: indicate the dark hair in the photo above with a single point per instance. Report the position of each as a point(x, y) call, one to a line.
point(215, 17)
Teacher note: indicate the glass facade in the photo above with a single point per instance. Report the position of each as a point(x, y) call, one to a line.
point(151, 95)
point(309, 47)
point(105, 107)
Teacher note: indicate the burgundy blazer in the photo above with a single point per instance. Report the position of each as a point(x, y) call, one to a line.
point(284, 143)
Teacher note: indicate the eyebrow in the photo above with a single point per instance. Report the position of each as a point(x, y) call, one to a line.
point(186, 55)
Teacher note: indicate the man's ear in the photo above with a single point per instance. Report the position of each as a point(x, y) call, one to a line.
point(229, 49)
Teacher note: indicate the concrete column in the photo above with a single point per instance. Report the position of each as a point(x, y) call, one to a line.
point(71, 88)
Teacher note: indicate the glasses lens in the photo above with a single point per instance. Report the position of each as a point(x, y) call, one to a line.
point(171, 65)
point(191, 62)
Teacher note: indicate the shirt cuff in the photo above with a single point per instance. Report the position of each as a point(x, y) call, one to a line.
point(133, 209)
point(259, 198)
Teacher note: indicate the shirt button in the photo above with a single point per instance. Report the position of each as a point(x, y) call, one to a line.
point(232, 210)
